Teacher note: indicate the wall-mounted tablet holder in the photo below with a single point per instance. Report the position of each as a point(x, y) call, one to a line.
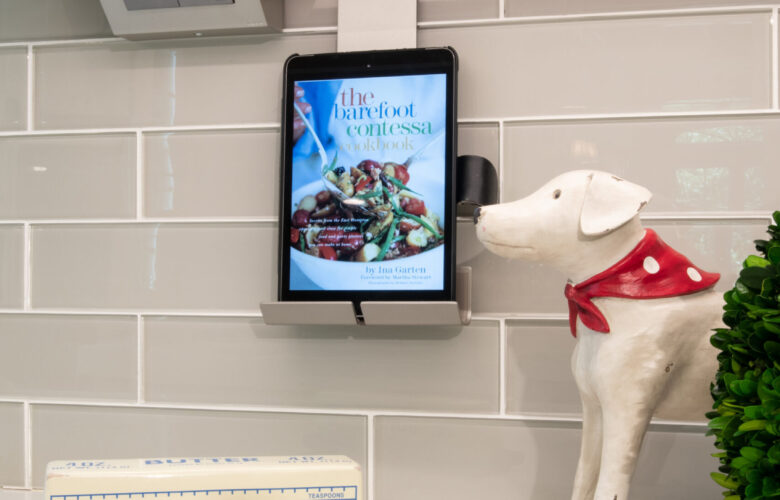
point(477, 184)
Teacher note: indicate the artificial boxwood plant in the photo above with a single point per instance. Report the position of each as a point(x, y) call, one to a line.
point(746, 416)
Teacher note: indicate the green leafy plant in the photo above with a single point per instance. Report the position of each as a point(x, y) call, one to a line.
point(746, 416)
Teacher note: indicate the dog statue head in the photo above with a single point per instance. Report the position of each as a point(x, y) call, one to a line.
point(574, 222)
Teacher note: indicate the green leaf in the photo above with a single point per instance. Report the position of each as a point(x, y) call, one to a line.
point(724, 481)
point(753, 425)
point(753, 276)
point(755, 412)
point(752, 454)
point(770, 487)
point(776, 217)
point(773, 454)
point(756, 261)
point(744, 388)
point(774, 255)
point(772, 327)
point(772, 349)
point(753, 491)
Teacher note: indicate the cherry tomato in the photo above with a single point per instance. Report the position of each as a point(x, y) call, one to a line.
point(362, 184)
point(352, 242)
point(415, 206)
point(327, 252)
point(322, 197)
point(401, 173)
point(366, 165)
point(294, 235)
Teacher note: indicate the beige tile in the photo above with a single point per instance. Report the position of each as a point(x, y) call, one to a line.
point(13, 87)
point(510, 286)
point(539, 380)
point(12, 439)
point(244, 361)
point(7, 494)
point(224, 173)
point(676, 465)
point(52, 19)
point(480, 140)
point(690, 165)
point(88, 432)
point(308, 13)
point(154, 266)
point(714, 246)
point(456, 459)
point(519, 8)
point(449, 10)
point(620, 65)
point(182, 82)
point(50, 356)
point(11, 266)
point(67, 176)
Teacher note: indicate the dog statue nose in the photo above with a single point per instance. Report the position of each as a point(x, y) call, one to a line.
point(476, 215)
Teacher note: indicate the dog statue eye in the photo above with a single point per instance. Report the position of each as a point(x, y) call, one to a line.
point(557, 194)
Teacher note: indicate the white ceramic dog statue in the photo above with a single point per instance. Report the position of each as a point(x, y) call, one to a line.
point(642, 314)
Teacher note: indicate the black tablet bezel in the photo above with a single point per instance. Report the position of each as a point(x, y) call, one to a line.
point(356, 65)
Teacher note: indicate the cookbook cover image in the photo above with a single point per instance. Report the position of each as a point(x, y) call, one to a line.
point(368, 184)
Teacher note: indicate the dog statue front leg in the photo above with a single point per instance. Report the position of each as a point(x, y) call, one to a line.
point(624, 429)
point(590, 450)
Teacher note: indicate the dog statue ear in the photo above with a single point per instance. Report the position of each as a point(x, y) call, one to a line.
point(609, 203)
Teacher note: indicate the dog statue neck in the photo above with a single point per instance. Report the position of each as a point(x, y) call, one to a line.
point(602, 252)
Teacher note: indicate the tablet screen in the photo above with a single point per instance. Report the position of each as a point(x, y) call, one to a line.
point(369, 177)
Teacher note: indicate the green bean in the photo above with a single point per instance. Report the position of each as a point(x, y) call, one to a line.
point(399, 184)
point(388, 240)
point(365, 196)
point(425, 224)
point(332, 164)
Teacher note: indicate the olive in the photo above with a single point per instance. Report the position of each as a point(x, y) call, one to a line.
point(339, 170)
point(300, 218)
point(323, 197)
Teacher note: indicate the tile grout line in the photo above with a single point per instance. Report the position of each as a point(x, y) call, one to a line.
point(139, 175)
point(273, 220)
point(597, 16)
point(371, 462)
point(529, 119)
point(27, 445)
point(502, 348)
point(140, 360)
point(775, 55)
point(27, 267)
point(373, 413)
point(501, 130)
point(270, 126)
point(30, 87)
point(501, 19)
point(501, 9)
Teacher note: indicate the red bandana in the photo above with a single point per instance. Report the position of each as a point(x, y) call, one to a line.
point(651, 270)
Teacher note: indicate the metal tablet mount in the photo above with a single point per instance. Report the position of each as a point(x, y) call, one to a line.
point(477, 184)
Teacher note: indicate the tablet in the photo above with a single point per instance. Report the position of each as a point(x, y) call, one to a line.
point(368, 159)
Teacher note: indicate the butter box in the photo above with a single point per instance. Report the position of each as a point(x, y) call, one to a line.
point(206, 478)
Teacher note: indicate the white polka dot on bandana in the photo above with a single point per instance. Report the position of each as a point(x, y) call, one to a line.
point(651, 265)
point(694, 274)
